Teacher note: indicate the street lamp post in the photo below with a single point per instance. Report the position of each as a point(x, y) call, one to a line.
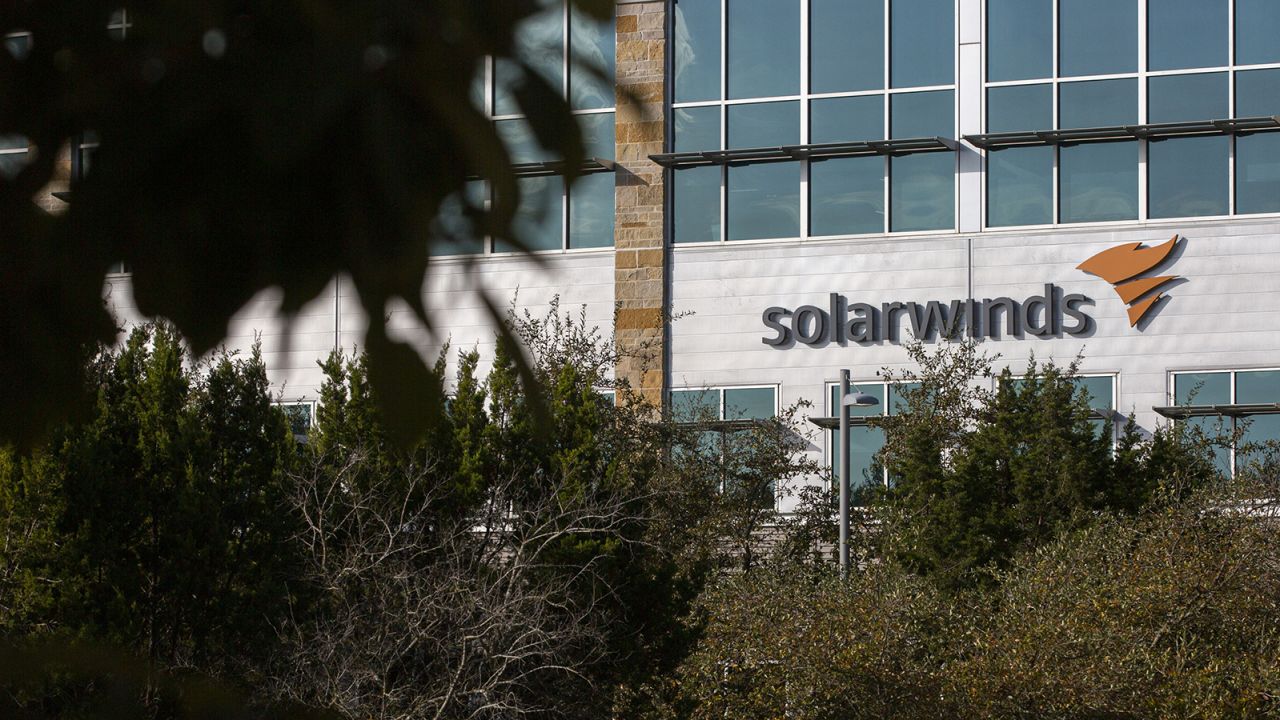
point(847, 400)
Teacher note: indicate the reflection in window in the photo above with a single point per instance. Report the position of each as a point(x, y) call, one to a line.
point(696, 204)
point(763, 201)
point(1020, 186)
point(1188, 176)
point(1241, 387)
point(1186, 34)
point(712, 405)
point(1097, 37)
point(846, 196)
point(763, 47)
point(1099, 182)
point(922, 192)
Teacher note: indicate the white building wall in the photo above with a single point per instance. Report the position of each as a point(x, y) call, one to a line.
point(452, 291)
point(1222, 316)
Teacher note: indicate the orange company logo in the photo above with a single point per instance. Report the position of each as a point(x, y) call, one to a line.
point(1122, 265)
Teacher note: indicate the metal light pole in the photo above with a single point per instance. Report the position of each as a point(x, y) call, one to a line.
point(844, 474)
point(847, 399)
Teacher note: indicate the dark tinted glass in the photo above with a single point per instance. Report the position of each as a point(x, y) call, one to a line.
point(748, 403)
point(1257, 32)
point(1258, 173)
point(1099, 389)
point(1258, 386)
point(697, 129)
point(696, 202)
point(846, 119)
point(921, 42)
point(591, 211)
point(696, 49)
point(695, 405)
point(18, 46)
point(846, 45)
point(592, 54)
point(454, 233)
point(923, 114)
point(540, 41)
point(597, 134)
point(922, 192)
point(1097, 37)
point(1098, 103)
point(763, 124)
point(763, 201)
point(1020, 107)
point(1186, 34)
point(1211, 388)
point(539, 218)
point(764, 47)
point(1258, 93)
point(1098, 182)
point(1020, 186)
point(846, 196)
point(521, 144)
point(1187, 177)
point(1183, 98)
point(1019, 39)
point(13, 142)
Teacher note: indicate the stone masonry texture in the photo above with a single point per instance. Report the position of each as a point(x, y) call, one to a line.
point(640, 268)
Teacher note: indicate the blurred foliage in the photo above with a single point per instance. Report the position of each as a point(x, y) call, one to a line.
point(243, 146)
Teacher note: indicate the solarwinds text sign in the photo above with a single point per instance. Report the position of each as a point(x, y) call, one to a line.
point(1052, 313)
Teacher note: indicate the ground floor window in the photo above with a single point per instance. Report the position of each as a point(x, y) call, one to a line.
point(1243, 405)
point(724, 417)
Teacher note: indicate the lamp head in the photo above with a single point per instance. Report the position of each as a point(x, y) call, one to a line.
point(858, 398)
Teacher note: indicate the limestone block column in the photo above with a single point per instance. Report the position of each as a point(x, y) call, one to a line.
point(640, 268)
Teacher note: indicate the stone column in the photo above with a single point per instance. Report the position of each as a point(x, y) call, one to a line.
point(639, 265)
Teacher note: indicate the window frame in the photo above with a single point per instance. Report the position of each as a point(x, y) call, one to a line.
point(1232, 374)
point(776, 388)
point(1142, 76)
point(488, 80)
point(805, 97)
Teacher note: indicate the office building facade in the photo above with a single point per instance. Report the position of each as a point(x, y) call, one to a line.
point(809, 184)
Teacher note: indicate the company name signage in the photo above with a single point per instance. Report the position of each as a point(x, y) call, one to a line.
point(1052, 313)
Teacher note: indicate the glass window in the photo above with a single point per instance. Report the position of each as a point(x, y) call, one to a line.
point(846, 119)
point(1258, 173)
point(454, 233)
point(540, 43)
point(299, 415)
point(696, 47)
point(1099, 182)
point(539, 216)
point(922, 43)
point(1020, 186)
point(597, 134)
point(757, 125)
point(1243, 387)
point(763, 201)
point(1020, 107)
point(591, 44)
point(846, 45)
point(846, 196)
point(1185, 98)
point(1097, 37)
point(695, 405)
point(749, 403)
point(1186, 34)
point(521, 144)
point(763, 47)
point(864, 441)
point(922, 114)
point(1257, 32)
point(19, 46)
point(1208, 388)
point(697, 128)
point(922, 192)
point(1098, 103)
point(591, 211)
point(1258, 93)
point(1187, 176)
point(1019, 40)
point(696, 204)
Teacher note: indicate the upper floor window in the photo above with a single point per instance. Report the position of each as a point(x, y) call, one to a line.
point(576, 55)
point(1058, 69)
point(13, 148)
point(792, 74)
